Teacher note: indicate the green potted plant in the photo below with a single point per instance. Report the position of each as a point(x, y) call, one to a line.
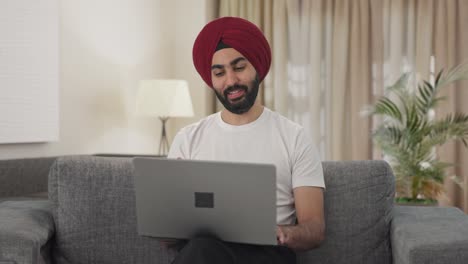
point(409, 134)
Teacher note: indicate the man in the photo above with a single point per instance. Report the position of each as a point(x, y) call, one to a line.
point(232, 56)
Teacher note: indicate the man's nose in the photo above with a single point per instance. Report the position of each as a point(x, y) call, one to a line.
point(231, 78)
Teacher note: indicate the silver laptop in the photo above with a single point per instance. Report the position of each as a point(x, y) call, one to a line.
point(234, 202)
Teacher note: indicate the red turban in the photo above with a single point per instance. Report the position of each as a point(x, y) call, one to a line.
point(237, 33)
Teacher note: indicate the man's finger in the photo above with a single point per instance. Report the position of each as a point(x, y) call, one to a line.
point(280, 235)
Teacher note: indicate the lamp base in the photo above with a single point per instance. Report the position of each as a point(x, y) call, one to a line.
point(163, 143)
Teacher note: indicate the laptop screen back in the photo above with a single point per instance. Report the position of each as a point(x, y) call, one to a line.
point(235, 202)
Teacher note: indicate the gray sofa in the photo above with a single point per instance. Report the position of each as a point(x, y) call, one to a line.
point(90, 218)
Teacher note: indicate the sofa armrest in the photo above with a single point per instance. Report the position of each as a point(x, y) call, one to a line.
point(422, 234)
point(26, 228)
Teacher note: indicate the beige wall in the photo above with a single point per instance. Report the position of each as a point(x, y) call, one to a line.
point(187, 27)
point(106, 46)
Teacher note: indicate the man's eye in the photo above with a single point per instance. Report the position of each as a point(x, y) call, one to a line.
point(218, 74)
point(239, 68)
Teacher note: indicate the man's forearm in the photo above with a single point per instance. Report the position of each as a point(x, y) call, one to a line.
point(303, 236)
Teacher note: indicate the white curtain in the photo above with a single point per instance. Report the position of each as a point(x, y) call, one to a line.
point(329, 72)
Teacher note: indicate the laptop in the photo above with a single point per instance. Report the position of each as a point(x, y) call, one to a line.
point(182, 199)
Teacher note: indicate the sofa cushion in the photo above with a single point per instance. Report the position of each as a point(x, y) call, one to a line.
point(26, 227)
point(94, 213)
point(358, 213)
point(426, 234)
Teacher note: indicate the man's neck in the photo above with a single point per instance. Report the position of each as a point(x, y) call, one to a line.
point(242, 119)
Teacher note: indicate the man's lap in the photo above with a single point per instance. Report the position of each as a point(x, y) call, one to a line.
point(211, 250)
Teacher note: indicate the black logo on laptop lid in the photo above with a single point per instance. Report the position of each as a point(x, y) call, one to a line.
point(204, 200)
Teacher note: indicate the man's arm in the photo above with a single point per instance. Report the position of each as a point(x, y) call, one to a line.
point(310, 230)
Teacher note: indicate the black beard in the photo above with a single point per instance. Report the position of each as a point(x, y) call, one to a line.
point(243, 104)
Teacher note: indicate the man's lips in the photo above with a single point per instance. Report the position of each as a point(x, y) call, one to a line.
point(235, 94)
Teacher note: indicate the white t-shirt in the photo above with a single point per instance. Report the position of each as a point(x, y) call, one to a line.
point(270, 139)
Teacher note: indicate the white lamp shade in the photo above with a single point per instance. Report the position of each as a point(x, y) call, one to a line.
point(164, 98)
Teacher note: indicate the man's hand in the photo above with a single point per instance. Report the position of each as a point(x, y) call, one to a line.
point(310, 230)
point(301, 237)
point(283, 235)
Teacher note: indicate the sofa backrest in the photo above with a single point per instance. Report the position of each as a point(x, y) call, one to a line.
point(24, 177)
point(358, 212)
point(95, 216)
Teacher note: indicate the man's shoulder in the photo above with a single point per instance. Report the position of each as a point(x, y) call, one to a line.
point(199, 125)
point(285, 123)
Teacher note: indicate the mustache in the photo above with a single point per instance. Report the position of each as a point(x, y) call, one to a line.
point(235, 87)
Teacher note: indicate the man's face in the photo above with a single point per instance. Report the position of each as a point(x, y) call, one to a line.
point(235, 80)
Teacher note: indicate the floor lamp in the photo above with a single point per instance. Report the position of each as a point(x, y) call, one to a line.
point(164, 99)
